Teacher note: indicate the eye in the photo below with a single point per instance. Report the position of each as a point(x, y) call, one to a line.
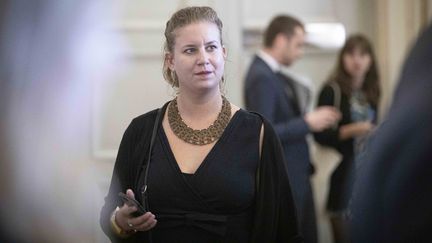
point(189, 50)
point(211, 47)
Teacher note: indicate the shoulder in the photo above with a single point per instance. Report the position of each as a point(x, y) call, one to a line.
point(266, 124)
point(251, 116)
point(146, 120)
point(257, 62)
point(258, 70)
point(328, 92)
point(145, 117)
point(247, 121)
point(329, 88)
point(139, 127)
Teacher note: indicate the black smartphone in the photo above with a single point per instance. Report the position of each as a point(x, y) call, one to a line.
point(132, 202)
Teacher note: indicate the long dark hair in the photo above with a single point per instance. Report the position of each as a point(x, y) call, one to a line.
point(370, 85)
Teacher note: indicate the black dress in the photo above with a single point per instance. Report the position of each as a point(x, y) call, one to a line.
point(216, 203)
point(274, 218)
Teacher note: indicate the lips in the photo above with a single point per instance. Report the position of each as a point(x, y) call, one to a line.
point(204, 73)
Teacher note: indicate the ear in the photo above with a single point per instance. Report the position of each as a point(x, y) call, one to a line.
point(224, 52)
point(169, 59)
point(280, 40)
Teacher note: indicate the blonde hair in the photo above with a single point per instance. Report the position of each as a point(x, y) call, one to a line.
point(180, 19)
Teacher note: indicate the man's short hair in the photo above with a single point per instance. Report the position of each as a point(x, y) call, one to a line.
point(281, 24)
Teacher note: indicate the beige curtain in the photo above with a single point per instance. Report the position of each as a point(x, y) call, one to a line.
point(398, 23)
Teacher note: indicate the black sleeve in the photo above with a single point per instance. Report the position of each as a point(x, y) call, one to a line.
point(120, 181)
point(275, 215)
point(328, 137)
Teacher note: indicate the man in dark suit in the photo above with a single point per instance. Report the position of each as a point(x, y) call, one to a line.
point(393, 192)
point(273, 95)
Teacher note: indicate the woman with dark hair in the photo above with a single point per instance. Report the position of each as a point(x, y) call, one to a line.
point(353, 88)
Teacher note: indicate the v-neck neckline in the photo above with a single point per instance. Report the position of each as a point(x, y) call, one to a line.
point(213, 151)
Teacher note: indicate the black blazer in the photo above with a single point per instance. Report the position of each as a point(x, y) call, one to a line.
point(393, 195)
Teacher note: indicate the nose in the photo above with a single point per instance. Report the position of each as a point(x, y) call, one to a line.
point(203, 58)
point(357, 62)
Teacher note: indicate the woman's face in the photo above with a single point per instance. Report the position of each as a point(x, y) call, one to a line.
point(357, 63)
point(198, 57)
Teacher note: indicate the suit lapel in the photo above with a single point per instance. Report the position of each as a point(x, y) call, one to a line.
point(290, 91)
point(284, 84)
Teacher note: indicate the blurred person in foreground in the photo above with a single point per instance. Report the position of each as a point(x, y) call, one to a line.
point(273, 94)
point(392, 195)
point(51, 52)
point(353, 89)
point(215, 173)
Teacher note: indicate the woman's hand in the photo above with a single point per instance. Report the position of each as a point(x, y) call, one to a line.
point(355, 129)
point(127, 222)
point(365, 128)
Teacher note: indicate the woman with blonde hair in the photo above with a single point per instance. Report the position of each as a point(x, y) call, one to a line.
point(203, 169)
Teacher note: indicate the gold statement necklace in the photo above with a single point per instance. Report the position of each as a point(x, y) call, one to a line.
point(201, 136)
